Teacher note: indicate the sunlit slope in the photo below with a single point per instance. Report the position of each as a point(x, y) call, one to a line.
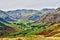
point(53, 30)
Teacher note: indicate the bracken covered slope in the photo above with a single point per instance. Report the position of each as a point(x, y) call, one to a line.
point(50, 18)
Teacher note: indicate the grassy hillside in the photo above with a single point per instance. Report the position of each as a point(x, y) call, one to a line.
point(50, 17)
point(48, 25)
point(53, 30)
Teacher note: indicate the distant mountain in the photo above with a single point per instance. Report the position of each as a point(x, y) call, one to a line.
point(23, 14)
point(40, 13)
point(47, 10)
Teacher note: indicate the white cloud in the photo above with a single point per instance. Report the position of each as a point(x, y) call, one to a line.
point(37, 4)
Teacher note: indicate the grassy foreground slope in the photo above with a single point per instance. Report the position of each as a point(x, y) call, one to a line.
point(53, 30)
point(38, 37)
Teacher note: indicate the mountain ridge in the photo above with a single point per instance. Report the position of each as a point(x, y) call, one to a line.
point(23, 14)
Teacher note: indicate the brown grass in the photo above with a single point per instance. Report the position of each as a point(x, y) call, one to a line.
point(38, 37)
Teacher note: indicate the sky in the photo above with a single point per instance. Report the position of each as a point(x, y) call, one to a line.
point(28, 4)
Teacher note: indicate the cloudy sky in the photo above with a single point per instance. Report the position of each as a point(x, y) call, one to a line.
point(35, 4)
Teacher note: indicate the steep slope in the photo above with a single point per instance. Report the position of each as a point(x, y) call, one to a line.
point(5, 16)
point(2, 20)
point(5, 30)
point(50, 18)
point(53, 30)
point(38, 15)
